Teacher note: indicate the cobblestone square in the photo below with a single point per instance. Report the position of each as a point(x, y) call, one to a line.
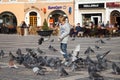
point(13, 42)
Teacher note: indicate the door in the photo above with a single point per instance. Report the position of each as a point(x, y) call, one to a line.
point(33, 20)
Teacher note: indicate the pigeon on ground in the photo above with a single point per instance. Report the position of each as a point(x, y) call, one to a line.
point(97, 47)
point(93, 73)
point(19, 52)
point(2, 53)
point(52, 48)
point(116, 68)
point(39, 71)
point(11, 61)
point(62, 71)
point(40, 51)
point(40, 41)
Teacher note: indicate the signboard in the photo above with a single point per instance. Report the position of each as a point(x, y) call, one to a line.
point(113, 4)
point(56, 7)
point(93, 5)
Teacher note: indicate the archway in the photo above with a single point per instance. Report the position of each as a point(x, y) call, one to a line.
point(115, 17)
point(9, 19)
point(53, 17)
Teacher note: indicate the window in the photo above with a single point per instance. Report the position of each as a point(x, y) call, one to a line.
point(12, 0)
point(32, 0)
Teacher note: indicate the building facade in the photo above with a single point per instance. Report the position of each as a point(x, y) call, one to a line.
point(97, 11)
point(33, 12)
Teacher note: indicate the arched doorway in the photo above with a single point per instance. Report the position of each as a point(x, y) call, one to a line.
point(9, 19)
point(53, 17)
point(115, 17)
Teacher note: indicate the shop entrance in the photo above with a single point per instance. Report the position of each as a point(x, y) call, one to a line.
point(53, 17)
point(95, 20)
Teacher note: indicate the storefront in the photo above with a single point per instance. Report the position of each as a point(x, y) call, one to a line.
point(91, 12)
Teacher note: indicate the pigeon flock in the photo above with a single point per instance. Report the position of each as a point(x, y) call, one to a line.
point(38, 62)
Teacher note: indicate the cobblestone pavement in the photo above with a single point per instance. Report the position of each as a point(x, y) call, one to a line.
point(13, 42)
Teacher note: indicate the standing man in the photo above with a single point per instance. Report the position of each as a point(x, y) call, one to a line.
point(64, 34)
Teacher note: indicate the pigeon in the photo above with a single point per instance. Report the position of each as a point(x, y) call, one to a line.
point(100, 41)
point(19, 52)
point(89, 50)
point(39, 70)
point(12, 57)
point(62, 71)
point(75, 66)
point(88, 60)
point(40, 51)
point(93, 73)
point(108, 38)
point(11, 61)
point(96, 76)
point(52, 48)
point(2, 53)
point(52, 40)
point(115, 68)
point(100, 57)
point(20, 59)
point(97, 47)
point(40, 41)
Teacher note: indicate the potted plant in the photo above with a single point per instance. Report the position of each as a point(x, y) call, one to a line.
point(46, 31)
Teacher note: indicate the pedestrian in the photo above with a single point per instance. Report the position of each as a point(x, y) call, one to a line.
point(23, 25)
point(64, 35)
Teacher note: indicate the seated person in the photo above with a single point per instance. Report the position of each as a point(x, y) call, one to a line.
point(72, 32)
point(79, 30)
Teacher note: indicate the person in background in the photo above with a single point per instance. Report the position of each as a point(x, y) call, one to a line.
point(23, 25)
point(73, 32)
point(64, 35)
point(79, 30)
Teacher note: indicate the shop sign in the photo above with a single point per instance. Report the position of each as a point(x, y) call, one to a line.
point(94, 5)
point(55, 7)
point(113, 4)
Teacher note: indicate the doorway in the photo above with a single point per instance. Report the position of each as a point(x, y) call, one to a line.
point(118, 20)
point(33, 18)
point(95, 20)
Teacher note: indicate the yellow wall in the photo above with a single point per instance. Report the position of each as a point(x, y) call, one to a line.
point(16, 9)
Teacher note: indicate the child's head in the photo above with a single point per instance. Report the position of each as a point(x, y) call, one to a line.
point(62, 18)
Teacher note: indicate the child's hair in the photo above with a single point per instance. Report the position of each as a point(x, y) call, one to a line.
point(63, 18)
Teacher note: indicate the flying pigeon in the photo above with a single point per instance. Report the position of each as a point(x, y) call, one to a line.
point(89, 50)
